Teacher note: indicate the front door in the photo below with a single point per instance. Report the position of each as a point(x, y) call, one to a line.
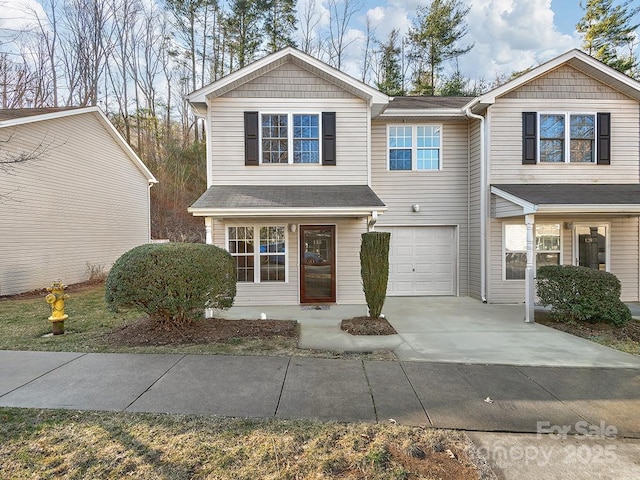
point(317, 263)
point(591, 246)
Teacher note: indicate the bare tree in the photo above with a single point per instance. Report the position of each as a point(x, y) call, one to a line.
point(367, 54)
point(341, 12)
point(87, 48)
point(308, 21)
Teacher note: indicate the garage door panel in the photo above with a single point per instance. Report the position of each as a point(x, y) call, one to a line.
point(404, 251)
point(402, 268)
point(422, 261)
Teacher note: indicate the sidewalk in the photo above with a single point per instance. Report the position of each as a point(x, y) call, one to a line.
point(418, 393)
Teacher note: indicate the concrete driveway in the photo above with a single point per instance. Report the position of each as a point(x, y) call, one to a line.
point(447, 329)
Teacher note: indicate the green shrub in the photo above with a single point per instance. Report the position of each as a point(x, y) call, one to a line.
point(174, 282)
point(581, 293)
point(374, 269)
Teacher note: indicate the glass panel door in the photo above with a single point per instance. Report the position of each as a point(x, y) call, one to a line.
point(590, 243)
point(317, 264)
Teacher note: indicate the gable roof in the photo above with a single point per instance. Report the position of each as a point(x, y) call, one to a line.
point(574, 58)
point(22, 116)
point(294, 200)
point(198, 99)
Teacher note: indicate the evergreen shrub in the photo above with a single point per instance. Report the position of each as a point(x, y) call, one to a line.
point(173, 282)
point(581, 294)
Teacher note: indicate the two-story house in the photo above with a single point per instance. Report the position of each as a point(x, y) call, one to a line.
point(476, 192)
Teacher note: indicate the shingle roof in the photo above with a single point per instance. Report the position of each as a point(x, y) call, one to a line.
point(423, 103)
point(298, 196)
point(13, 113)
point(575, 194)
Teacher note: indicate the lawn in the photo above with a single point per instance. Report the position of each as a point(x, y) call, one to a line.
point(93, 328)
point(38, 444)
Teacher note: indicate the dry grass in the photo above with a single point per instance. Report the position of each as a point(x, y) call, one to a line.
point(36, 444)
point(625, 338)
point(24, 324)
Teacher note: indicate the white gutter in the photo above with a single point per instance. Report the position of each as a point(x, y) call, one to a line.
point(483, 206)
point(286, 212)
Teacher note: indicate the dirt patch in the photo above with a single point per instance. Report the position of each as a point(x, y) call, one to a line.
point(628, 332)
point(146, 332)
point(367, 326)
point(42, 292)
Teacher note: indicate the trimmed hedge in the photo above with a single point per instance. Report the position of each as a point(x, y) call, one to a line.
point(173, 282)
point(581, 293)
point(374, 269)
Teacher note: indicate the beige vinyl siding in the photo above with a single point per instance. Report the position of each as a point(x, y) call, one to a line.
point(561, 91)
point(502, 208)
point(474, 210)
point(81, 201)
point(288, 81)
point(304, 93)
point(624, 261)
point(348, 281)
point(442, 195)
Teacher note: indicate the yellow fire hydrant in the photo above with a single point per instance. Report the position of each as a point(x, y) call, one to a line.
point(56, 299)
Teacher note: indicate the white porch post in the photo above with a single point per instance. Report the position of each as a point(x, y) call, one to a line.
point(529, 294)
point(208, 227)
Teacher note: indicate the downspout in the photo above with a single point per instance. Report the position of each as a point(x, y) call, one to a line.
point(483, 207)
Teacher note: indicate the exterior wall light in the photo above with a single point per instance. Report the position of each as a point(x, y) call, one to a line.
point(415, 207)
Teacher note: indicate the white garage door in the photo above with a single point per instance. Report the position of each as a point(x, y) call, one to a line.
point(422, 260)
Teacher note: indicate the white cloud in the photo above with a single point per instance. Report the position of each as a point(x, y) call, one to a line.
point(511, 35)
point(19, 15)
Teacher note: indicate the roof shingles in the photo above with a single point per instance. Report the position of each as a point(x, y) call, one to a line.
point(289, 196)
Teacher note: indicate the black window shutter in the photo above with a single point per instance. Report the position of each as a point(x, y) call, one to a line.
point(329, 138)
point(529, 138)
point(251, 138)
point(604, 138)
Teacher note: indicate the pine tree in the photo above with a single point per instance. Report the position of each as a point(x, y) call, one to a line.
point(434, 38)
point(244, 31)
point(391, 81)
point(607, 29)
point(279, 23)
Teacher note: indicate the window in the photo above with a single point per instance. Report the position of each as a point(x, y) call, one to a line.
point(560, 144)
point(269, 258)
point(274, 139)
point(414, 147)
point(547, 247)
point(281, 144)
point(306, 139)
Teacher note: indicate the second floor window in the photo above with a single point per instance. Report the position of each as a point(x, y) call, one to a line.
point(414, 147)
point(290, 138)
point(567, 138)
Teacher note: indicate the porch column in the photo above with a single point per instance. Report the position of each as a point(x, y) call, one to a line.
point(529, 277)
point(208, 227)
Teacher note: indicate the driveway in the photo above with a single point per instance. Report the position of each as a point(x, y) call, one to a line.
point(447, 329)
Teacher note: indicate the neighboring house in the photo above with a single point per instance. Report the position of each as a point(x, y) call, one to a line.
point(80, 199)
point(302, 159)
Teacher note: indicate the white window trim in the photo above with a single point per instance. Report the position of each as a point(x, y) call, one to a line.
point(256, 254)
point(574, 234)
point(290, 138)
point(567, 138)
point(414, 146)
point(504, 248)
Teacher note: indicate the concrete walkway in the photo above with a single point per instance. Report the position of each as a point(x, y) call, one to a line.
point(446, 329)
point(417, 393)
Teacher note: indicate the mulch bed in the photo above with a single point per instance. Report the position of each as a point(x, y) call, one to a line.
point(145, 332)
point(367, 326)
point(630, 331)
